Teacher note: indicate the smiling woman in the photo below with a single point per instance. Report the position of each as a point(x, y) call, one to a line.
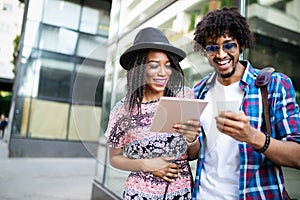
point(158, 72)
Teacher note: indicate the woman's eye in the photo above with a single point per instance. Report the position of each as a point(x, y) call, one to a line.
point(153, 66)
point(168, 65)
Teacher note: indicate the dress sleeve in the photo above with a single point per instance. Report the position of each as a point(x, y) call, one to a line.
point(116, 126)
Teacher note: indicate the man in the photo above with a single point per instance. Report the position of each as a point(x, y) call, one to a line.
point(237, 159)
point(3, 124)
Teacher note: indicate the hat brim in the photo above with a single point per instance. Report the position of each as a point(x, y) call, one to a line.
point(130, 52)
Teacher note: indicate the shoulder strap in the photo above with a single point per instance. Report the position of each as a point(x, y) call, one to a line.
point(262, 81)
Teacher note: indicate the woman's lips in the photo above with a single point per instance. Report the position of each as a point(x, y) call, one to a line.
point(161, 82)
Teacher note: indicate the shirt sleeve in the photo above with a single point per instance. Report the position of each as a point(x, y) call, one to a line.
point(287, 121)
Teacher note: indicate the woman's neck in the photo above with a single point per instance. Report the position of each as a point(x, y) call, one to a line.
point(152, 96)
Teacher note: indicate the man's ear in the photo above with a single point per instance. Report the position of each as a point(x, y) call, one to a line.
point(242, 49)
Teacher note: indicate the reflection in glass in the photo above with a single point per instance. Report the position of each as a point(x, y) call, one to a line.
point(51, 125)
point(92, 47)
point(55, 79)
point(89, 20)
point(58, 39)
point(88, 84)
point(62, 13)
point(84, 123)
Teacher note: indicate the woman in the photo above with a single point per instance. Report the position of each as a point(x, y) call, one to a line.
point(158, 161)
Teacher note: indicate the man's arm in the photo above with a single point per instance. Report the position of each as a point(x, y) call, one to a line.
point(284, 153)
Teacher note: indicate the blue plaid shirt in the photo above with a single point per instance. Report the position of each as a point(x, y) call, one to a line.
point(259, 178)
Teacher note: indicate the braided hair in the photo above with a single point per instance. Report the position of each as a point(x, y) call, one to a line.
point(218, 23)
point(136, 79)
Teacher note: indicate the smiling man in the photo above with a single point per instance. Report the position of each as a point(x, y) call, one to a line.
point(237, 159)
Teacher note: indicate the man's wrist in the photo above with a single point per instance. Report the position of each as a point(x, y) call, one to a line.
point(266, 144)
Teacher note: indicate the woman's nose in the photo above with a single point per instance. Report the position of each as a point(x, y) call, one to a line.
point(162, 70)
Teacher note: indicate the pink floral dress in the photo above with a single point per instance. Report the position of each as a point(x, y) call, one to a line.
point(133, 135)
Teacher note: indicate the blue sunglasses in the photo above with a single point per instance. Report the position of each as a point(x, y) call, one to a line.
point(212, 50)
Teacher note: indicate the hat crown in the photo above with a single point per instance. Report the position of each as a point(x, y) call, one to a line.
point(150, 35)
point(149, 38)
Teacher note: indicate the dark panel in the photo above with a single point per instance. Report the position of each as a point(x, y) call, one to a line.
point(6, 84)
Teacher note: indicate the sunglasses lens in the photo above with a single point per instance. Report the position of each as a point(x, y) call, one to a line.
point(212, 49)
point(230, 47)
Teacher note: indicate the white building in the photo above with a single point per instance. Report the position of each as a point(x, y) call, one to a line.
point(11, 14)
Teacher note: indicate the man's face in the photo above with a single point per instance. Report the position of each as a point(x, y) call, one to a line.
point(223, 55)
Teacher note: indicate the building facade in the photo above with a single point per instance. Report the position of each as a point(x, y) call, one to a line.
point(57, 94)
point(276, 24)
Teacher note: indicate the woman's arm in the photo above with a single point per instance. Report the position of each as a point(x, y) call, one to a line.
point(191, 130)
point(160, 167)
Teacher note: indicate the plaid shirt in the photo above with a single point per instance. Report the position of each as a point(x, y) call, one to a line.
point(259, 178)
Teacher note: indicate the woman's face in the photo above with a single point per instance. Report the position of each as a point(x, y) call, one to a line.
point(158, 72)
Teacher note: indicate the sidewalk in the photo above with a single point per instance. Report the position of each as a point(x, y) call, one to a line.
point(45, 178)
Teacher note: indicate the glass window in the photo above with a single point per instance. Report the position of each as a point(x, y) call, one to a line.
point(95, 17)
point(84, 123)
point(62, 13)
point(58, 39)
point(89, 20)
point(88, 83)
point(52, 125)
point(276, 39)
point(55, 79)
point(104, 19)
point(92, 47)
point(29, 75)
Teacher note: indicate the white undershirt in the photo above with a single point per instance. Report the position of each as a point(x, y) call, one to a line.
point(220, 174)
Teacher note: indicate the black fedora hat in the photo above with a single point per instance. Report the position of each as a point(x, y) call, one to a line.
point(150, 38)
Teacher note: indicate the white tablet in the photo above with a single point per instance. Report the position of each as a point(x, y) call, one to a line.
point(171, 110)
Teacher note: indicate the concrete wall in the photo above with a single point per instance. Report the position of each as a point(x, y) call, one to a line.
point(24, 147)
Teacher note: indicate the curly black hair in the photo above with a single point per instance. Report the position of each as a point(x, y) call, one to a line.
point(220, 22)
point(136, 79)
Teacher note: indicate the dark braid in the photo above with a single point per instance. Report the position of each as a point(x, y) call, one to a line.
point(136, 79)
point(220, 22)
point(176, 81)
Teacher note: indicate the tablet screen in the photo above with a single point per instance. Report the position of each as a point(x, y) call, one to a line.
point(171, 110)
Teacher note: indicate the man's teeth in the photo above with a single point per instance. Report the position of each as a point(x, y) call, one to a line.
point(224, 62)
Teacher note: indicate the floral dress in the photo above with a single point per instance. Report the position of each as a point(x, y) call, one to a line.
point(133, 135)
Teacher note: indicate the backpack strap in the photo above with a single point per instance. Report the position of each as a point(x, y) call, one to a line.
point(262, 81)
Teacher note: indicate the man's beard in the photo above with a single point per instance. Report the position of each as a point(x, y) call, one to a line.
point(227, 75)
